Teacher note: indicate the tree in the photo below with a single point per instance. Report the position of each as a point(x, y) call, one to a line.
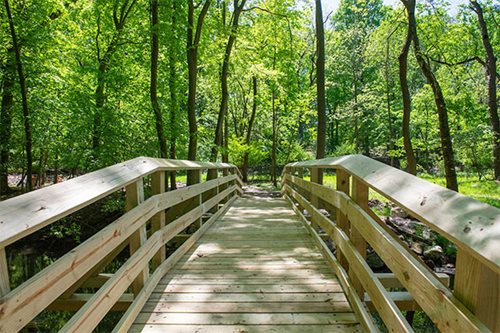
point(218, 140)
point(193, 41)
point(403, 69)
point(444, 129)
point(9, 71)
point(24, 96)
point(320, 82)
point(120, 16)
point(491, 71)
point(153, 88)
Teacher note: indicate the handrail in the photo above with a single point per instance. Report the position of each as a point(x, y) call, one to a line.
point(473, 226)
point(25, 214)
point(57, 284)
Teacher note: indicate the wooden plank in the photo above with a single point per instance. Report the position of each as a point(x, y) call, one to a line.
point(478, 287)
point(247, 318)
point(445, 211)
point(359, 308)
point(388, 311)
point(236, 273)
point(241, 328)
point(158, 184)
point(249, 297)
point(244, 281)
point(132, 312)
point(134, 196)
point(235, 288)
point(4, 273)
point(360, 197)
point(44, 206)
point(227, 307)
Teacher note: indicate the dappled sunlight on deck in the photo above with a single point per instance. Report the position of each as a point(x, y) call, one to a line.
point(254, 270)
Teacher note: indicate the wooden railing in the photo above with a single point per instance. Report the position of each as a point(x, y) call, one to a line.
point(473, 303)
point(145, 229)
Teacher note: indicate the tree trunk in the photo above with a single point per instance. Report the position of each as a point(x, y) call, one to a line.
point(388, 85)
point(275, 139)
point(193, 39)
point(320, 82)
point(444, 129)
point(6, 119)
point(172, 59)
point(238, 8)
point(119, 20)
point(491, 69)
point(249, 130)
point(24, 96)
point(403, 69)
point(153, 91)
point(153, 88)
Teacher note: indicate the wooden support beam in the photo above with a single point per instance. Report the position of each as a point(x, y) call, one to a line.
point(389, 280)
point(316, 177)
point(341, 218)
point(134, 194)
point(4, 273)
point(158, 184)
point(478, 288)
point(360, 196)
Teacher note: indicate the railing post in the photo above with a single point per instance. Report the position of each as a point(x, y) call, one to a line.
point(4, 273)
point(360, 196)
point(197, 201)
point(134, 196)
point(341, 218)
point(316, 177)
point(158, 183)
point(213, 192)
point(477, 286)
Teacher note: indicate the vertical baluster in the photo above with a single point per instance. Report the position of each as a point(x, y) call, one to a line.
point(360, 196)
point(477, 286)
point(316, 177)
point(4, 273)
point(341, 218)
point(135, 196)
point(158, 221)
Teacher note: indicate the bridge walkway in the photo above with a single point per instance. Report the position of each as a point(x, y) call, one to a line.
point(255, 270)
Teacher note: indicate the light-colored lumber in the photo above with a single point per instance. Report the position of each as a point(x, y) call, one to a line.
point(360, 197)
point(388, 311)
point(235, 288)
point(443, 210)
point(359, 308)
point(132, 312)
point(134, 196)
point(44, 206)
point(241, 328)
point(4, 273)
point(247, 318)
point(389, 280)
point(286, 297)
point(76, 301)
point(158, 220)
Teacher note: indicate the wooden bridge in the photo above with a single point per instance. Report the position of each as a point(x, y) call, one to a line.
point(252, 264)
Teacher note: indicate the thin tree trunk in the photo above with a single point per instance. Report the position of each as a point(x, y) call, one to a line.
point(153, 88)
point(403, 69)
point(172, 59)
point(320, 82)
point(6, 119)
point(24, 96)
point(119, 20)
point(225, 150)
point(444, 129)
point(238, 8)
point(491, 70)
point(388, 85)
point(249, 131)
point(193, 40)
point(274, 146)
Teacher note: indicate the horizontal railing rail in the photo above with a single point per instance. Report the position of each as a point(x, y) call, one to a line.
point(145, 229)
point(474, 227)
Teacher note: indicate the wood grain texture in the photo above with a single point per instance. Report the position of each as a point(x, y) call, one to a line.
point(227, 280)
point(470, 224)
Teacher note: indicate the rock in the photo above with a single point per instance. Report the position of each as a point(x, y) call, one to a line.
point(398, 212)
point(434, 253)
point(417, 248)
point(374, 261)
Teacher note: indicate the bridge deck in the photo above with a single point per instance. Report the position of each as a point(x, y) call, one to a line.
point(256, 270)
